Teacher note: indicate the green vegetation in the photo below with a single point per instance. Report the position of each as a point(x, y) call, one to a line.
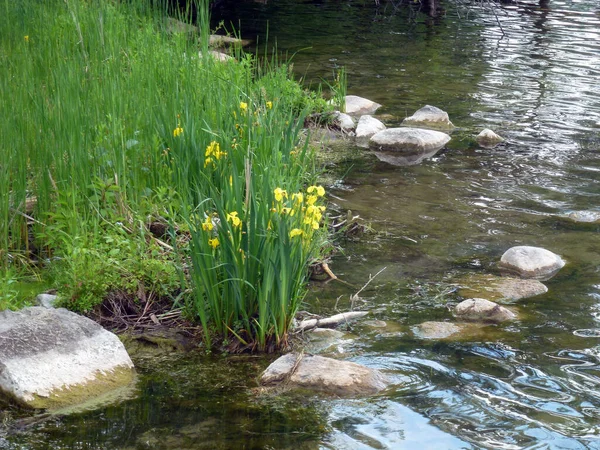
point(112, 124)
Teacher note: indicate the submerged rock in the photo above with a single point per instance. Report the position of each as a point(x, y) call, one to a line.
point(367, 127)
point(500, 289)
point(345, 121)
point(323, 340)
point(430, 117)
point(446, 330)
point(487, 138)
point(358, 106)
point(52, 358)
point(531, 262)
point(591, 217)
point(480, 309)
point(317, 373)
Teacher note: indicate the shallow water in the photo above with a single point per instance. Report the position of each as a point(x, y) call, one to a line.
point(534, 383)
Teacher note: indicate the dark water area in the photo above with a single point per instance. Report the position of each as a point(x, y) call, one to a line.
point(533, 76)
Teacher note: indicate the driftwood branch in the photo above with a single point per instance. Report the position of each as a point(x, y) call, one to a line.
point(330, 322)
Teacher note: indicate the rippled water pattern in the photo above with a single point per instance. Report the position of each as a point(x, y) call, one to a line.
point(535, 79)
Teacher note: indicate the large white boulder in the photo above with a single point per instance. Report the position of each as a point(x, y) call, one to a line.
point(407, 146)
point(531, 262)
point(51, 358)
point(482, 310)
point(430, 117)
point(358, 106)
point(408, 140)
point(367, 127)
point(317, 373)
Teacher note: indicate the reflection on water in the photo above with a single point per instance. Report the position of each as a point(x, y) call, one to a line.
point(532, 384)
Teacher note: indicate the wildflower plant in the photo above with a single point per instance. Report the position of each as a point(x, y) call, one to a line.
point(89, 140)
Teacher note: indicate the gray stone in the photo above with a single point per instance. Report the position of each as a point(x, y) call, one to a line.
point(408, 140)
point(358, 106)
point(317, 373)
point(345, 121)
point(51, 358)
point(488, 139)
point(531, 262)
point(324, 340)
point(430, 117)
point(46, 300)
point(500, 289)
point(218, 56)
point(592, 217)
point(479, 309)
point(447, 331)
point(367, 127)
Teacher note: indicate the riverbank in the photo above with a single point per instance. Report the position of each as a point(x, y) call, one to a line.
point(146, 170)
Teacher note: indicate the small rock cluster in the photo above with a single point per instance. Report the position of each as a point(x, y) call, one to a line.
point(525, 266)
point(421, 135)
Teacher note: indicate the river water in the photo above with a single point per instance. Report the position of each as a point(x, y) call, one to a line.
point(533, 76)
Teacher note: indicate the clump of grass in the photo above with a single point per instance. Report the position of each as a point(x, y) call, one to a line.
point(111, 122)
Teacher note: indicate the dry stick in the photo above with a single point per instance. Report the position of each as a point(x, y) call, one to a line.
point(355, 296)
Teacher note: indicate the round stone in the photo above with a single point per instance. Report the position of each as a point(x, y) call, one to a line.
point(531, 262)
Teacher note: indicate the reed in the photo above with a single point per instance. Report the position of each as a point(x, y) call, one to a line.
point(111, 121)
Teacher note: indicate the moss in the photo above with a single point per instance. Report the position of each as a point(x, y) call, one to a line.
point(81, 393)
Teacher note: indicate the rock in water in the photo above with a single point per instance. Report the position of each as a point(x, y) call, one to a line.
point(592, 217)
point(487, 138)
point(345, 121)
point(531, 262)
point(343, 378)
point(408, 140)
point(367, 127)
point(407, 146)
point(447, 331)
point(479, 309)
point(431, 117)
point(357, 106)
point(51, 358)
point(499, 289)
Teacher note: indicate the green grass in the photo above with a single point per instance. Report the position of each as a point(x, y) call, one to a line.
point(107, 120)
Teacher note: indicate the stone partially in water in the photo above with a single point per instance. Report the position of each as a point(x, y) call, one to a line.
point(531, 262)
point(399, 159)
point(322, 340)
point(431, 117)
point(480, 309)
point(408, 141)
point(367, 127)
point(344, 121)
point(591, 217)
point(500, 289)
point(357, 106)
point(487, 138)
point(447, 330)
point(317, 373)
point(51, 358)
